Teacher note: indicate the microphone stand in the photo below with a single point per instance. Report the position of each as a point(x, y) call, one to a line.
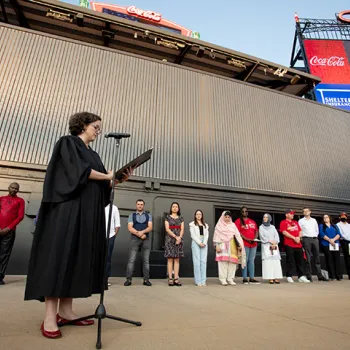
point(100, 312)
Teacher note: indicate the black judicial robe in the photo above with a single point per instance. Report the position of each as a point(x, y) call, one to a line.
point(69, 242)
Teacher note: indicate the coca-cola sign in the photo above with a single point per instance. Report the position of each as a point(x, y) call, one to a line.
point(333, 61)
point(329, 60)
point(150, 15)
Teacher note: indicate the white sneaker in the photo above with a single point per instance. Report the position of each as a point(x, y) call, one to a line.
point(231, 283)
point(109, 284)
point(303, 279)
point(199, 285)
point(224, 283)
point(290, 280)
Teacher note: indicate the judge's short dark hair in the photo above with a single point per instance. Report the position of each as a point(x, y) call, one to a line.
point(78, 121)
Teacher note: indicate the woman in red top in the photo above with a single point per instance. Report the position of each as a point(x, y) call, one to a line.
point(249, 231)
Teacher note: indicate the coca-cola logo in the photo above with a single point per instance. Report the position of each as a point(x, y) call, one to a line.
point(333, 61)
point(150, 15)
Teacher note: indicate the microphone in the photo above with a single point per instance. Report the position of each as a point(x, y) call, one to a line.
point(116, 135)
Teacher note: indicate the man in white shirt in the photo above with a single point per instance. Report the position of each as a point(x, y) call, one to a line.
point(344, 228)
point(311, 243)
point(115, 225)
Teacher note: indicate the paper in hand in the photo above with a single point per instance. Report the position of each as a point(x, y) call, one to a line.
point(335, 248)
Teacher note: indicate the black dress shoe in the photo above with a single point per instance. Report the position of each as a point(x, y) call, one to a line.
point(147, 283)
point(127, 283)
point(321, 278)
point(2, 282)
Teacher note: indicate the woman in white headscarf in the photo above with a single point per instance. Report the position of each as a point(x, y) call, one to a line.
point(270, 255)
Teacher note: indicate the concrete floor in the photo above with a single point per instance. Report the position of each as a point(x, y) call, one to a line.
point(286, 316)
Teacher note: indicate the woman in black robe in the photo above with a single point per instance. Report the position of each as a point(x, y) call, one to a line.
point(69, 242)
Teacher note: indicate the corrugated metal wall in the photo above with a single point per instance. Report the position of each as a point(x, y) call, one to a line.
point(204, 129)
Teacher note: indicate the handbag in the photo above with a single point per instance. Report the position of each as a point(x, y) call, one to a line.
point(236, 241)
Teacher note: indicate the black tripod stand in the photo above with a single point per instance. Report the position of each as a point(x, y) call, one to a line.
point(100, 312)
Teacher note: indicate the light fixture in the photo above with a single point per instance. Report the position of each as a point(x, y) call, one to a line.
point(236, 63)
point(65, 17)
point(212, 54)
point(295, 79)
point(80, 19)
point(146, 34)
point(168, 44)
point(280, 72)
point(200, 52)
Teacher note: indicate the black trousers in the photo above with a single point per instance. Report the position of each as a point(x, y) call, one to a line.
point(6, 245)
point(332, 262)
point(345, 248)
point(295, 255)
point(312, 250)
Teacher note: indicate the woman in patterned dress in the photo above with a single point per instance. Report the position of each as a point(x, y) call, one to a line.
point(174, 227)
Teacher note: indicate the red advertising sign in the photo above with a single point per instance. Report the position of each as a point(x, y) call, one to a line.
point(329, 60)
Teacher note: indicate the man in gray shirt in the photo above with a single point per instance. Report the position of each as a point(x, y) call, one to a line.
point(139, 225)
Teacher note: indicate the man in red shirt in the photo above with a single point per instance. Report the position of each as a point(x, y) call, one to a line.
point(249, 231)
point(11, 214)
point(294, 249)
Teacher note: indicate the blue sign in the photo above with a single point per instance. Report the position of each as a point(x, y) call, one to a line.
point(335, 95)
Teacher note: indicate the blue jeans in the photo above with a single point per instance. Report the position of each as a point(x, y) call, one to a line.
point(109, 257)
point(199, 257)
point(250, 254)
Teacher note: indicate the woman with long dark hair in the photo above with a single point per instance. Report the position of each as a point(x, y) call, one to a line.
point(199, 233)
point(174, 227)
point(66, 260)
point(330, 235)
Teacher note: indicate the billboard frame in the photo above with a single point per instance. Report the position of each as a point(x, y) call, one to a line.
point(315, 29)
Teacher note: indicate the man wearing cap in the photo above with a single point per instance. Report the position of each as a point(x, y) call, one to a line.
point(310, 243)
point(11, 214)
point(294, 251)
point(344, 228)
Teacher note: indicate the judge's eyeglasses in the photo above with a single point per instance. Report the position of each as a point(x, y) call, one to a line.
point(97, 128)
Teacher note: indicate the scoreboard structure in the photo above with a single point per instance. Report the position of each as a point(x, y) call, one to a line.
point(322, 47)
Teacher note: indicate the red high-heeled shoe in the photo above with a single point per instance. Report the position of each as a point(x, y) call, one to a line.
point(62, 321)
point(50, 334)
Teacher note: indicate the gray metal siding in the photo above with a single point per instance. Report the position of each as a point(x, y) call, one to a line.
point(205, 129)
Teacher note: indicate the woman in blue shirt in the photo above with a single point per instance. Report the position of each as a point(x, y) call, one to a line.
point(329, 235)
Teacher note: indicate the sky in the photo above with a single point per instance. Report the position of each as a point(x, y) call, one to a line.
point(266, 31)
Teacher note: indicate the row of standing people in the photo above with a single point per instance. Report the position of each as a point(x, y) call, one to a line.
point(301, 238)
point(236, 244)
